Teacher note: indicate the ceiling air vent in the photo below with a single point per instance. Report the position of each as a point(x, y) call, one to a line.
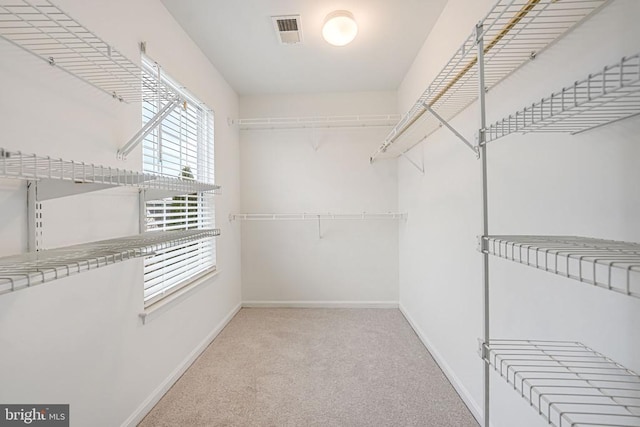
point(288, 29)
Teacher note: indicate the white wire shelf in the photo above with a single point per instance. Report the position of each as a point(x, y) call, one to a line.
point(568, 383)
point(608, 264)
point(355, 121)
point(47, 32)
point(514, 31)
point(34, 268)
point(317, 216)
point(608, 96)
point(69, 177)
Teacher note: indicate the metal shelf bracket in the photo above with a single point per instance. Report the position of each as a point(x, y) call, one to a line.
point(483, 245)
point(420, 166)
point(142, 210)
point(482, 349)
point(149, 127)
point(451, 128)
point(34, 218)
point(315, 139)
point(48, 189)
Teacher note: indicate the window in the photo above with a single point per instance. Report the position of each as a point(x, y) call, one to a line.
point(181, 146)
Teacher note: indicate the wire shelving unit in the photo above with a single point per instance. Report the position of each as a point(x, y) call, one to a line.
point(568, 383)
point(34, 268)
point(604, 97)
point(608, 264)
point(354, 121)
point(317, 216)
point(513, 32)
point(44, 30)
point(80, 177)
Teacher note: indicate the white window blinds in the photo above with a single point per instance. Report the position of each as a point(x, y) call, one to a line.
point(181, 146)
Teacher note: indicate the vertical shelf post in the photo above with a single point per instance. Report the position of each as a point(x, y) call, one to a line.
point(482, 150)
point(34, 218)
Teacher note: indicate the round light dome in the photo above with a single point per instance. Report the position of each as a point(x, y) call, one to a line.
point(339, 28)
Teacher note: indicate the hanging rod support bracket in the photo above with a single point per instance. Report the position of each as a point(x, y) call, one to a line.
point(482, 350)
point(451, 128)
point(149, 127)
point(416, 165)
point(315, 139)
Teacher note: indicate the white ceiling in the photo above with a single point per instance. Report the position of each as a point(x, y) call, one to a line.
point(239, 38)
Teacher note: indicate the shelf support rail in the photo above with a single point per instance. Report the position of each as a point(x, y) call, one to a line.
point(451, 128)
point(34, 216)
point(482, 152)
point(149, 127)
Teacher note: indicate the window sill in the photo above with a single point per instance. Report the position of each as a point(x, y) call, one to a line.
point(165, 303)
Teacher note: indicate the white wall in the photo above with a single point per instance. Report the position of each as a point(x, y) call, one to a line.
point(282, 172)
point(549, 184)
point(80, 340)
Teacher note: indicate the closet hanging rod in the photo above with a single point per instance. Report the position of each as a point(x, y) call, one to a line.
point(505, 30)
point(312, 122)
point(317, 216)
point(515, 31)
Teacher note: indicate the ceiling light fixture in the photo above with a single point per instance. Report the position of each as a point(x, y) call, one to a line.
point(339, 28)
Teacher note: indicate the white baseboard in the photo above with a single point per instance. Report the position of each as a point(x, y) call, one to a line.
point(320, 304)
point(451, 376)
point(157, 394)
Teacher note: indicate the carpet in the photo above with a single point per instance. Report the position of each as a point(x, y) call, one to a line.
point(313, 367)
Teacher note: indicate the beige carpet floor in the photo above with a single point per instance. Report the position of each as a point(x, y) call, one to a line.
point(313, 367)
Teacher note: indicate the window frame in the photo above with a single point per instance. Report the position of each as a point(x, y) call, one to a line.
point(193, 142)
